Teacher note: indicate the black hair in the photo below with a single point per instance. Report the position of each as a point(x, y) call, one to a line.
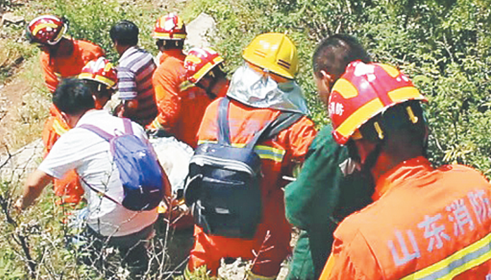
point(334, 53)
point(125, 33)
point(401, 131)
point(73, 97)
point(170, 44)
point(403, 126)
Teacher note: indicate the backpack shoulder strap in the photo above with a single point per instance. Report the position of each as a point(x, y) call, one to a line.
point(284, 121)
point(273, 128)
point(107, 136)
point(223, 124)
point(103, 134)
point(127, 126)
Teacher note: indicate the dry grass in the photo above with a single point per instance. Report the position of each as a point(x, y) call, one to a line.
point(29, 106)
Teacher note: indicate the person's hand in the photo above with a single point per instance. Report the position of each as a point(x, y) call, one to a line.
point(173, 209)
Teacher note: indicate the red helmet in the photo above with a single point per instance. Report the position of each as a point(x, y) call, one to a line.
point(364, 91)
point(46, 30)
point(100, 70)
point(169, 27)
point(199, 62)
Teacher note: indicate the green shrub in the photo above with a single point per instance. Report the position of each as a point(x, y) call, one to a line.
point(443, 45)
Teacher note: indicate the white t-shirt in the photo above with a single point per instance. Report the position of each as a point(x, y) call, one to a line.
point(89, 154)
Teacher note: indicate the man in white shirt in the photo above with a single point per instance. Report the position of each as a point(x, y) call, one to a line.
point(81, 149)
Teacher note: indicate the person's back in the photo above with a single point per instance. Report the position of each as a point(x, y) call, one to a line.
point(202, 82)
point(180, 103)
point(424, 223)
point(60, 58)
point(109, 223)
point(135, 69)
point(248, 112)
point(90, 155)
point(278, 156)
point(431, 223)
point(69, 60)
point(166, 80)
point(328, 188)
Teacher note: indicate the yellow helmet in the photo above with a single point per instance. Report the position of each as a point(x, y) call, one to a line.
point(274, 52)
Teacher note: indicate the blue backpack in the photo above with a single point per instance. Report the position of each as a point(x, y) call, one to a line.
point(223, 184)
point(139, 170)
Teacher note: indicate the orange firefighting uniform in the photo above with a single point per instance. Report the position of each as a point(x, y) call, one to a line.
point(428, 224)
point(181, 107)
point(279, 156)
point(66, 63)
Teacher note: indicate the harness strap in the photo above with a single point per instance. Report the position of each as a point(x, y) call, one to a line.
point(223, 124)
point(100, 192)
point(103, 134)
point(127, 126)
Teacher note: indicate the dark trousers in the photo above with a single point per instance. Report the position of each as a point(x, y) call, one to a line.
point(107, 254)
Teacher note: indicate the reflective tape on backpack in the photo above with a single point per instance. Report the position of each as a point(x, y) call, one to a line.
point(263, 151)
point(461, 261)
point(267, 152)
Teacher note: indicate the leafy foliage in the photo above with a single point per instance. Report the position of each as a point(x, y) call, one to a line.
point(443, 45)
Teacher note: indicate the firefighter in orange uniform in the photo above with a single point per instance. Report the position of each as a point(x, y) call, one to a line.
point(259, 91)
point(180, 104)
point(61, 57)
point(205, 81)
point(425, 223)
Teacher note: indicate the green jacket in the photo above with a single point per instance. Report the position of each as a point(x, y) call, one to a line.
point(320, 198)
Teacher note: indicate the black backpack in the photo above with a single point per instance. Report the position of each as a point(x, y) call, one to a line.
point(223, 184)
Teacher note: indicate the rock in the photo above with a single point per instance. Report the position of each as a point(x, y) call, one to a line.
point(10, 18)
point(200, 30)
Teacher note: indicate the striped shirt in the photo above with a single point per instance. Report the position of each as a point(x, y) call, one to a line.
point(135, 70)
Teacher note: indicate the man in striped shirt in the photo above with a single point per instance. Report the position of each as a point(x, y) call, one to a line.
point(135, 70)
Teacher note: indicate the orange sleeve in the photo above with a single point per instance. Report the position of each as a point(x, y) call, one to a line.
point(166, 82)
point(300, 136)
point(50, 77)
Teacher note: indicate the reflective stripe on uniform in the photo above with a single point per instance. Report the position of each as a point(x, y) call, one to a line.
point(461, 261)
point(263, 151)
point(156, 124)
point(58, 127)
point(252, 276)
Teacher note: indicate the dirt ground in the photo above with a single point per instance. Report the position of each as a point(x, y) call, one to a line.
point(10, 100)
